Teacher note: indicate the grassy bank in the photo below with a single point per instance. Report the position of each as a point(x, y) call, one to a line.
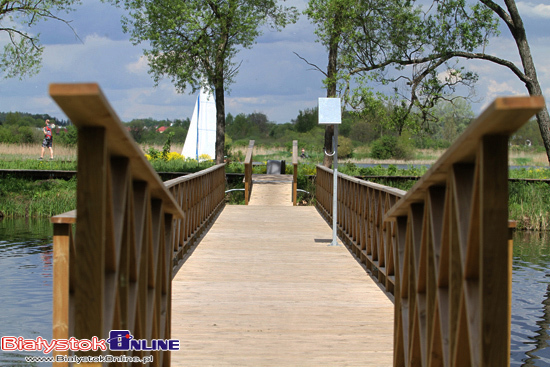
point(529, 201)
point(27, 198)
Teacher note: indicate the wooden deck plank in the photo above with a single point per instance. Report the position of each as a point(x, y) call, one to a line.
point(264, 289)
point(271, 190)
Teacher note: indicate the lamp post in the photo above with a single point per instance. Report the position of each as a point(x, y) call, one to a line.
point(330, 113)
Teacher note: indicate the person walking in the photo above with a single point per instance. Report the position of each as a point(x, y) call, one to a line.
point(47, 142)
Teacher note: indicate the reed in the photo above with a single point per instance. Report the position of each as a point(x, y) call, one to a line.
point(45, 198)
point(529, 205)
point(16, 152)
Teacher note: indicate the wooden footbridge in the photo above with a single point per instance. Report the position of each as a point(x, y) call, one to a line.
point(424, 278)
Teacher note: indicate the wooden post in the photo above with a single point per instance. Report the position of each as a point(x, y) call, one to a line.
point(295, 172)
point(248, 162)
point(62, 240)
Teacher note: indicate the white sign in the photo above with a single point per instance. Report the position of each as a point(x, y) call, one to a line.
point(330, 111)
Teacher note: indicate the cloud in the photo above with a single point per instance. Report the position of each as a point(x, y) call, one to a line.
point(529, 9)
point(139, 67)
point(450, 76)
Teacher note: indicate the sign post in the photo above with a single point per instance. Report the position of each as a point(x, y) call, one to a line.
point(330, 113)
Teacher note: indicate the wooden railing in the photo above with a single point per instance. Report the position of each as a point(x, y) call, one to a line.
point(446, 245)
point(201, 196)
point(295, 172)
point(248, 172)
point(115, 270)
point(361, 209)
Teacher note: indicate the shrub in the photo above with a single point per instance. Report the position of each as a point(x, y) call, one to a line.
point(68, 136)
point(26, 135)
point(393, 147)
point(384, 147)
point(404, 148)
point(345, 147)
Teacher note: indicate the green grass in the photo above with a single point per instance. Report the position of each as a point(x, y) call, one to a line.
point(35, 164)
point(44, 198)
point(523, 161)
point(529, 202)
point(529, 205)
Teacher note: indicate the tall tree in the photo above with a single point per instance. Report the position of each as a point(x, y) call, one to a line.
point(431, 39)
point(22, 54)
point(331, 18)
point(194, 42)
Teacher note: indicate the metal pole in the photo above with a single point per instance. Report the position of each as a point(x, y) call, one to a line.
point(335, 187)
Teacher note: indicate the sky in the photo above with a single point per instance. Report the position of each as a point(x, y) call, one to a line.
point(271, 80)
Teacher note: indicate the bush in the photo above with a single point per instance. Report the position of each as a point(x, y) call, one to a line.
point(393, 147)
point(26, 135)
point(68, 136)
point(384, 147)
point(404, 148)
point(345, 147)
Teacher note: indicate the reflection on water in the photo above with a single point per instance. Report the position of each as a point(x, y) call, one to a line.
point(26, 290)
point(531, 299)
point(26, 283)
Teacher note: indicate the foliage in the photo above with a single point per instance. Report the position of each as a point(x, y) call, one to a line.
point(33, 164)
point(530, 205)
point(384, 147)
point(345, 147)
point(425, 45)
point(306, 120)
point(194, 43)
point(528, 135)
point(175, 162)
point(167, 146)
point(531, 172)
point(68, 136)
point(23, 52)
point(248, 127)
point(22, 197)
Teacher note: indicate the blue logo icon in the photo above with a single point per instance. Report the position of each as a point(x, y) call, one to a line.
point(119, 340)
point(123, 340)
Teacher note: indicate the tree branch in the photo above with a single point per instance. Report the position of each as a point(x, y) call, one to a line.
point(448, 55)
point(312, 65)
point(499, 11)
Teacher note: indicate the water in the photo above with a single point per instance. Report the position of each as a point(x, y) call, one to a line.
point(531, 300)
point(25, 283)
point(26, 290)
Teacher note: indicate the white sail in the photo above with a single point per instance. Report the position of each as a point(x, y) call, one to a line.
point(201, 137)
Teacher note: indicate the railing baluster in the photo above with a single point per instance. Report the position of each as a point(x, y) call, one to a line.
point(115, 270)
point(248, 162)
point(443, 248)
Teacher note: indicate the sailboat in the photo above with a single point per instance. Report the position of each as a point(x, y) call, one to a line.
point(201, 137)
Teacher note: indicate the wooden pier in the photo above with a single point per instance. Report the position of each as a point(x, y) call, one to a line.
point(263, 288)
point(260, 286)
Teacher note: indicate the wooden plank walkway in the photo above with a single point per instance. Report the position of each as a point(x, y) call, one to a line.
point(271, 190)
point(264, 289)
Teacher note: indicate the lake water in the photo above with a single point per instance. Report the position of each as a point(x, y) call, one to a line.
point(26, 290)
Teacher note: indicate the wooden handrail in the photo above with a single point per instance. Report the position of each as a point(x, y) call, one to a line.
point(201, 196)
point(295, 172)
point(443, 248)
point(119, 276)
point(452, 254)
point(248, 172)
point(361, 208)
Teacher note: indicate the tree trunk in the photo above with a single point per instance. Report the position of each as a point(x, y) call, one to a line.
point(518, 32)
point(332, 70)
point(220, 120)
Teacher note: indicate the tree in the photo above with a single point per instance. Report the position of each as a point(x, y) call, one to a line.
point(22, 54)
point(306, 120)
point(332, 19)
point(194, 42)
point(430, 40)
